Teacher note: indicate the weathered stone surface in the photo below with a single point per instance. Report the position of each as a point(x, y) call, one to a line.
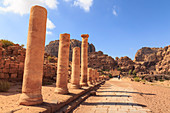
point(33, 71)
point(125, 63)
point(84, 59)
point(154, 58)
point(75, 76)
point(100, 61)
point(93, 76)
point(63, 63)
point(89, 76)
point(52, 47)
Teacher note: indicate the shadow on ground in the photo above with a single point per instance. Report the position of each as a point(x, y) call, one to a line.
point(113, 96)
point(127, 92)
point(113, 103)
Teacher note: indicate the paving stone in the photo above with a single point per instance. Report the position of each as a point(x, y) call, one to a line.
point(111, 99)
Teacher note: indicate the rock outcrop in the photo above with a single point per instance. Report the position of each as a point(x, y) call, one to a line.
point(52, 47)
point(101, 61)
point(125, 63)
point(154, 58)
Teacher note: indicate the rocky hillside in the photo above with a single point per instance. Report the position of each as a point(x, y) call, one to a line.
point(52, 47)
point(154, 58)
point(101, 61)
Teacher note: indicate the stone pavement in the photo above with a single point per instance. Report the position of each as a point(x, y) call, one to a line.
point(115, 96)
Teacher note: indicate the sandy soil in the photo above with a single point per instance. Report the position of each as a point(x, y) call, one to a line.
point(9, 100)
point(156, 97)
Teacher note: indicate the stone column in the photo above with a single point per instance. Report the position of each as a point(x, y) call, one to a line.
point(89, 76)
point(93, 76)
point(75, 76)
point(98, 76)
point(63, 62)
point(33, 69)
point(84, 59)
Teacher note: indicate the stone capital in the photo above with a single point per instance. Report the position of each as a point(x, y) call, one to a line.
point(65, 35)
point(85, 36)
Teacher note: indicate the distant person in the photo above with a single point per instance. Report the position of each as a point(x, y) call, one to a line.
point(118, 77)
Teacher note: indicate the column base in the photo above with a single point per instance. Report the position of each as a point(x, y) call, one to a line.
point(29, 99)
point(90, 83)
point(83, 84)
point(73, 86)
point(61, 91)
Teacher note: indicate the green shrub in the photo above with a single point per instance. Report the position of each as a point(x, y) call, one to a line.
point(4, 86)
point(6, 43)
point(22, 45)
point(49, 58)
point(105, 70)
point(130, 72)
point(119, 69)
point(110, 76)
point(143, 80)
point(137, 79)
point(161, 80)
point(134, 72)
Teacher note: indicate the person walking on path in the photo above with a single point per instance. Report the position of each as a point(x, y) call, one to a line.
point(118, 77)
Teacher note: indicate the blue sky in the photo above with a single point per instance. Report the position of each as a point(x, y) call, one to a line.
point(116, 27)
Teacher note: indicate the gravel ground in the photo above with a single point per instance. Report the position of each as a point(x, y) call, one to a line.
point(157, 98)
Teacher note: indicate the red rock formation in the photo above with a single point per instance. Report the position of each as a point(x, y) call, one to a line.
point(52, 47)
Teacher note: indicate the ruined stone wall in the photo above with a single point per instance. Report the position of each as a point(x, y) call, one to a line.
point(12, 63)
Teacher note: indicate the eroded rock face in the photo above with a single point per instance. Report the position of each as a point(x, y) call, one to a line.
point(163, 66)
point(125, 63)
point(154, 58)
point(101, 61)
point(52, 47)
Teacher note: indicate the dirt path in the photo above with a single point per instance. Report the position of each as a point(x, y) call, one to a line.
point(116, 96)
point(159, 102)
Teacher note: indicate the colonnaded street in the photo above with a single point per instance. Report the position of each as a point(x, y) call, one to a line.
point(115, 96)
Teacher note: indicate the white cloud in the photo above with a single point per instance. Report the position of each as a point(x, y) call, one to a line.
point(49, 33)
point(67, 0)
point(50, 25)
point(23, 6)
point(114, 12)
point(84, 4)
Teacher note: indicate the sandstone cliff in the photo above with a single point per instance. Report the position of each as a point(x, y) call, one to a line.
point(157, 59)
point(52, 47)
point(101, 61)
